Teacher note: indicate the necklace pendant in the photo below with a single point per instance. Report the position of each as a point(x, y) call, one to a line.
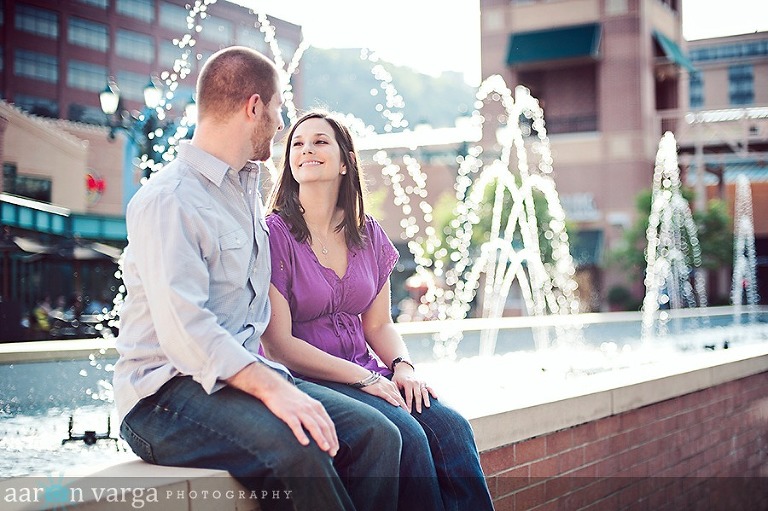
point(325, 250)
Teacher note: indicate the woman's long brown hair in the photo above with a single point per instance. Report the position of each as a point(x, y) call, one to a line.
point(284, 199)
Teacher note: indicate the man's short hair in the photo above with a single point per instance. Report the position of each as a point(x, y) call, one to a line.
point(229, 77)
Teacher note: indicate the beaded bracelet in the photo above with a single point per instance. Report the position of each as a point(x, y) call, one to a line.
point(399, 360)
point(368, 380)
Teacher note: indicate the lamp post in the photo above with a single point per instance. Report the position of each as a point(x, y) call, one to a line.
point(150, 130)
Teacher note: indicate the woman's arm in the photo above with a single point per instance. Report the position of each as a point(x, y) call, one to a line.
point(300, 356)
point(388, 344)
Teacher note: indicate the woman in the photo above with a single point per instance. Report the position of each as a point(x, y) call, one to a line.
point(331, 319)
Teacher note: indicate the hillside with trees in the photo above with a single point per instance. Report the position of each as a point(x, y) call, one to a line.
point(340, 80)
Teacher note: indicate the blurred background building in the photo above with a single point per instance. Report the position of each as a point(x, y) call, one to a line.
point(612, 77)
point(65, 182)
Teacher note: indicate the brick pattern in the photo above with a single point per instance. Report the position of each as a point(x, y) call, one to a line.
point(705, 450)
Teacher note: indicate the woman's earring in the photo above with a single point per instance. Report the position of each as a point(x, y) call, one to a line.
point(343, 172)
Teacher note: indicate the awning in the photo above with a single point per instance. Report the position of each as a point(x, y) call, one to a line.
point(554, 44)
point(673, 51)
point(69, 250)
point(587, 247)
point(755, 171)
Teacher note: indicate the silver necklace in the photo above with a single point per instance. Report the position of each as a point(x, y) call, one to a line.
point(324, 249)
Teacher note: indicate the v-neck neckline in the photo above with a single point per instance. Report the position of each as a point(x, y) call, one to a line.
point(324, 267)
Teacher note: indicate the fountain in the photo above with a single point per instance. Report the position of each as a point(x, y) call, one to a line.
point(524, 246)
point(514, 252)
point(673, 251)
point(516, 352)
point(744, 267)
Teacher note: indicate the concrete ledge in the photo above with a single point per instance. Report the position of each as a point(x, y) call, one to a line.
point(47, 351)
point(599, 396)
point(616, 392)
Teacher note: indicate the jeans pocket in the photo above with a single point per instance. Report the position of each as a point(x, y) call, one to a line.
point(140, 447)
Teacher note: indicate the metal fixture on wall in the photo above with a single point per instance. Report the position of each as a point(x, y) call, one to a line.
point(150, 130)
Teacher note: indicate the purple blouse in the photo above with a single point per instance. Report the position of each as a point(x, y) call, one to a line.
point(326, 309)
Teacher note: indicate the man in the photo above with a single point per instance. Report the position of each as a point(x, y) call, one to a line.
point(190, 387)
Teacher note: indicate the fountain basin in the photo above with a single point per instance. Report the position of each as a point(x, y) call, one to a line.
point(676, 429)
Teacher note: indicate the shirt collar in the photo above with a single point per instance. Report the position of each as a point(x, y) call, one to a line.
point(207, 164)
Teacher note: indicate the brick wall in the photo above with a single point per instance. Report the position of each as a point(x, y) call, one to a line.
point(703, 450)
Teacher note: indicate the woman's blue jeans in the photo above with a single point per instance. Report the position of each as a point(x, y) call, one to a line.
point(439, 466)
point(182, 425)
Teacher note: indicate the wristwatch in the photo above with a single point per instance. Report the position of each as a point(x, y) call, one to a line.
point(397, 361)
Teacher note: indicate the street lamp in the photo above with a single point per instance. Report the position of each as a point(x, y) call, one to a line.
point(150, 130)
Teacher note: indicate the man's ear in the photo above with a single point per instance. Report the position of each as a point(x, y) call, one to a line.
point(253, 103)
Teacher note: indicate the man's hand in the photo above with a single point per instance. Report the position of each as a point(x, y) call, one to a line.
point(289, 404)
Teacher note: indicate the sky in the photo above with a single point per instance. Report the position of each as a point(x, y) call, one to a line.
point(432, 36)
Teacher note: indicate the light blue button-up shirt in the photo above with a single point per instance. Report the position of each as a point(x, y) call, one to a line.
point(196, 272)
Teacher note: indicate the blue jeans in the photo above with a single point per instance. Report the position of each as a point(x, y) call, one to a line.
point(439, 466)
point(182, 425)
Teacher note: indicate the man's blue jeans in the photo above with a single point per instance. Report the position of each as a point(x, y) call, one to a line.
point(182, 425)
point(439, 466)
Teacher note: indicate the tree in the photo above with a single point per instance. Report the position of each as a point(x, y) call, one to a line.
point(713, 231)
point(444, 210)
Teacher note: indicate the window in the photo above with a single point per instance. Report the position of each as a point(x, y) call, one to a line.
point(36, 188)
point(88, 34)
point(39, 66)
point(741, 84)
point(9, 177)
point(217, 30)
point(143, 10)
point(696, 90)
point(101, 4)
point(173, 17)
point(132, 85)
point(167, 54)
point(731, 51)
point(199, 58)
point(86, 76)
point(37, 21)
point(135, 46)
point(86, 114)
point(43, 107)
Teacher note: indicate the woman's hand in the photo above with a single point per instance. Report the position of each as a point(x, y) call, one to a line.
point(387, 391)
point(415, 390)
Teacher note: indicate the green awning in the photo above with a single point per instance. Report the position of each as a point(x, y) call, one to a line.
point(673, 51)
point(554, 44)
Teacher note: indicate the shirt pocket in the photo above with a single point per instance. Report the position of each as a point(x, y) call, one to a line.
point(235, 249)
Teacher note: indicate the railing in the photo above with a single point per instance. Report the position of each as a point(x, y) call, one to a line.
point(731, 127)
point(571, 124)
